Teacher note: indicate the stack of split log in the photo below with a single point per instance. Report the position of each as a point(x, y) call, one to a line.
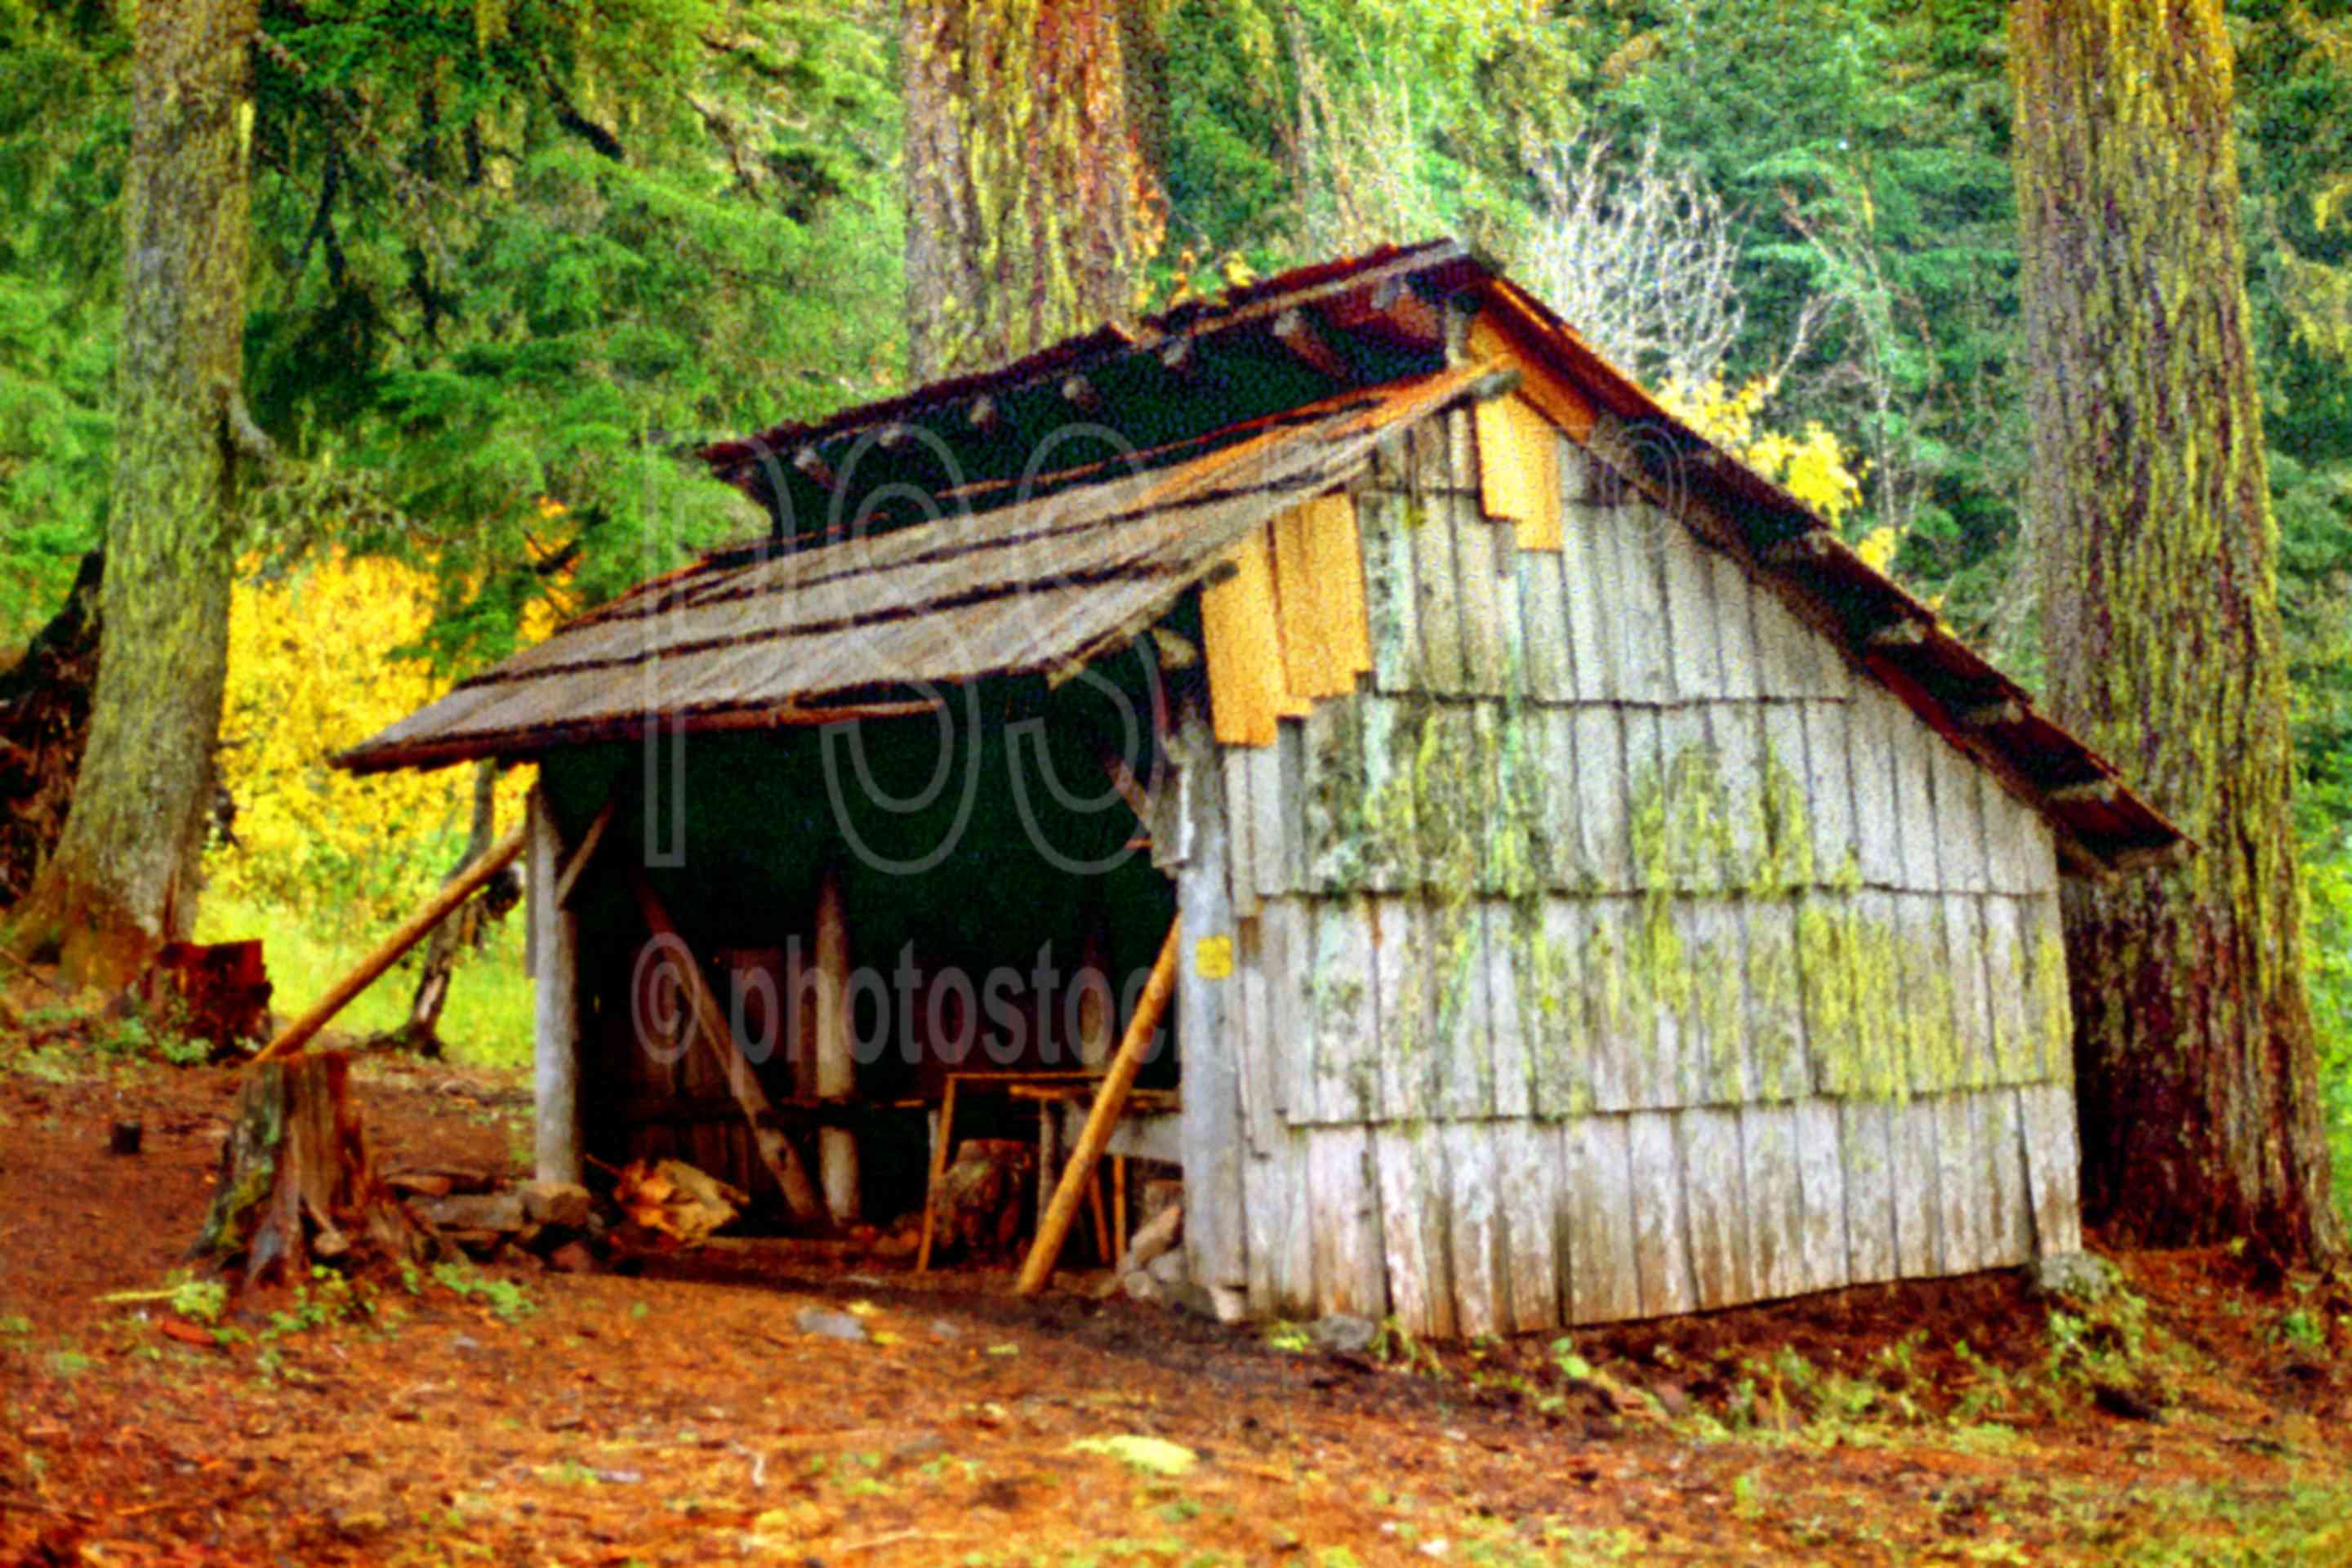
point(1153, 1267)
point(556, 1221)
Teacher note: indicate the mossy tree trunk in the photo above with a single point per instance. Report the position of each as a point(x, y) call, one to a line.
point(1029, 208)
point(121, 881)
point(2157, 554)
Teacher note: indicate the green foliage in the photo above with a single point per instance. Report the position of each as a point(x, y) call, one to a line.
point(2303, 1328)
point(2296, 99)
point(136, 1036)
point(62, 125)
point(505, 256)
point(1289, 1337)
point(557, 251)
point(1293, 132)
point(509, 1301)
point(1866, 147)
point(200, 1301)
point(1573, 1366)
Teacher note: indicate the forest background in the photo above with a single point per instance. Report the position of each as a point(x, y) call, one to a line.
point(512, 260)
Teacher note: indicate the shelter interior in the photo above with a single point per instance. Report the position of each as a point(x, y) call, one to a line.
point(993, 887)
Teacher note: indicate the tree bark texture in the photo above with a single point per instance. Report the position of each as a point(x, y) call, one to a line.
point(122, 879)
point(2195, 1052)
point(1029, 207)
point(44, 725)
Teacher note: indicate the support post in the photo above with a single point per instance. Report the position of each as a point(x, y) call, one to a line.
point(836, 1064)
point(1098, 1003)
point(1215, 1247)
point(555, 1001)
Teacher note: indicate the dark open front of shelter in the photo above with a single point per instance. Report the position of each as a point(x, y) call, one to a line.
point(995, 888)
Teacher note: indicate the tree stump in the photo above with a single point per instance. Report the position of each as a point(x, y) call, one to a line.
point(296, 1183)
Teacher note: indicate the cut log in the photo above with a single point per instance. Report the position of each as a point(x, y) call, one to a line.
point(215, 991)
point(295, 1180)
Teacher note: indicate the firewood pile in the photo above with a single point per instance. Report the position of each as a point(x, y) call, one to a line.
point(557, 1221)
point(655, 1205)
point(668, 1203)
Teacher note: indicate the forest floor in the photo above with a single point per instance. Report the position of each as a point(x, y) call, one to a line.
point(676, 1414)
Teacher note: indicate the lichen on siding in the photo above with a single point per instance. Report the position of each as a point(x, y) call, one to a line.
point(1803, 983)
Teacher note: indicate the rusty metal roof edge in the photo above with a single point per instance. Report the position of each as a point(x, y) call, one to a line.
point(1239, 307)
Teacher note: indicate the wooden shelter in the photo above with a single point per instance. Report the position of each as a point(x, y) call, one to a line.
point(1602, 894)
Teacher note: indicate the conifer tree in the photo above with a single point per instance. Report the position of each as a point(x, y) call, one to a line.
point(2152, 524)
point(1028, 204)
point(121, 879)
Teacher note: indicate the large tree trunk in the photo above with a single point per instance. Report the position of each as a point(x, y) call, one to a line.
point(44, 724)
point(122, 879)
point(1028, 206)
point(2152, 525)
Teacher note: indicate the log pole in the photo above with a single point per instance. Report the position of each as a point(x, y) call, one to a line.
point(1054, 1228)
point(389, 951)
point(711, 1024)
point(580, 856)
point(836, 1059)
point(555, 1003)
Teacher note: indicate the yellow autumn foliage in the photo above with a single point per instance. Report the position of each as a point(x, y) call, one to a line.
point(1810, 465)
point(312, 669)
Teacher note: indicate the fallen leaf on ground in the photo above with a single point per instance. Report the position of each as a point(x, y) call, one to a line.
point(1145, 1456)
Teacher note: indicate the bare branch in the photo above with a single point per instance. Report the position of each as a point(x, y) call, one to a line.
point(1640, 257)
point(246, 437)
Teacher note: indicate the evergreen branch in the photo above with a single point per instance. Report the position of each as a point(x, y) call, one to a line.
point(722, 131)
point(568, 115)
point(322, 226)
point(415, 191)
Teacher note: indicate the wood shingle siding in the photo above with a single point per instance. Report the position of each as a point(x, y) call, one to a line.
point(1621, 951)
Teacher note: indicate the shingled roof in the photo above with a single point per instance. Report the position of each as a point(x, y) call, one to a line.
point(922, 541)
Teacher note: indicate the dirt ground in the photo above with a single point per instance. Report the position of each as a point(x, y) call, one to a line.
point(677, 1415)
